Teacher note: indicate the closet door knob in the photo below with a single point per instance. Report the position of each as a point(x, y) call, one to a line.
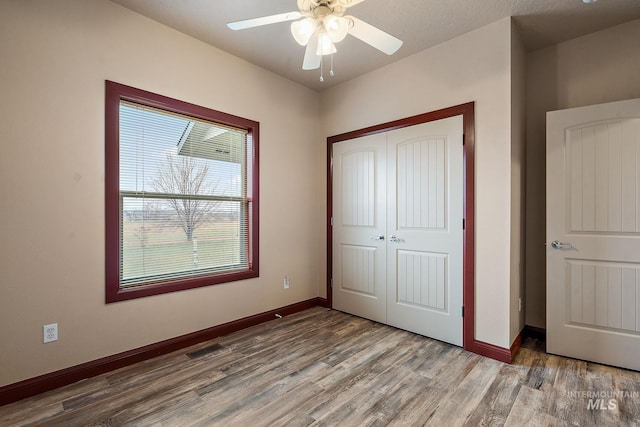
point(556, 244)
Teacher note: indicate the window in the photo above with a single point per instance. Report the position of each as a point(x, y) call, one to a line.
point(181, 195)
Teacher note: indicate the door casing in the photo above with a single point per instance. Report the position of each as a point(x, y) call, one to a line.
point(468, 285)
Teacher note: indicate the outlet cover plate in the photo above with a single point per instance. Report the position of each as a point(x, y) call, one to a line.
point(50, 333)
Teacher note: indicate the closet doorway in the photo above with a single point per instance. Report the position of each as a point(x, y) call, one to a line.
point(400, 224)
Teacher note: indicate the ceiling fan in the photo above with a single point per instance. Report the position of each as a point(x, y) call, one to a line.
point(319, 24)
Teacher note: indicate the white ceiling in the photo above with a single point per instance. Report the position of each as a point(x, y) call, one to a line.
point(419, 23)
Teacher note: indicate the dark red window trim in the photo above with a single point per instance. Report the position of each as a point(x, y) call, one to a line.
point(114, 94)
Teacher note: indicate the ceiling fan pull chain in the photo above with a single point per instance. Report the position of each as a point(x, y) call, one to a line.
point(331, 72)
point(321, 70)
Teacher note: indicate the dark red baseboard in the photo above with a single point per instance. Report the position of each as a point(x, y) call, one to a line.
point(492, 351)
point(501, 354)
point(517, 343)
point(323, 302)
point(33, 386)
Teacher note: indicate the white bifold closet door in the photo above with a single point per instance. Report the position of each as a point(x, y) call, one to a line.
point(398, 228)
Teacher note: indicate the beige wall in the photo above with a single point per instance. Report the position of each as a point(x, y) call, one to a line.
point(473, 67)
point(596, 68)
point(518, 151)
point(55, 57)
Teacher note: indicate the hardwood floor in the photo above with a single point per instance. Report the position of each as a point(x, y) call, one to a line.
point(323, 367)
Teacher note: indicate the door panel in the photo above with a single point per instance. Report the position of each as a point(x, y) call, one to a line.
point(420, 181)
point(593, 184)
point(604, 294)
point(422, 279)
point(425, 195)
point(359, 219)
point(603, 180)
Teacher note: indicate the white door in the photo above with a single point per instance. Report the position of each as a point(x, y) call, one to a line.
point(593, 233)
point(359, 227)
point(424, 225)
point(397, 228)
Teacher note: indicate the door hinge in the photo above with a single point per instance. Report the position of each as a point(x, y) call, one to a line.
point(332, 282)
point(463, 311)
point(464, 224)
point(464, 139)
point(331, 220)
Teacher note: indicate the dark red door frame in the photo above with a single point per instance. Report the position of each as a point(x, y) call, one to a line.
point(468, 285)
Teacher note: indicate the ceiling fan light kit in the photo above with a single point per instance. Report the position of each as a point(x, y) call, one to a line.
point(322, 25)
point(325, 44)
point(303, 29)
point(337, 27)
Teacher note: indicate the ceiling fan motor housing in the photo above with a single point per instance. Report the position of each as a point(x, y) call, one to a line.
point(321, 8)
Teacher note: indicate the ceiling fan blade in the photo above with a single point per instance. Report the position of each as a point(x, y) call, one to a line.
point(311, 59)
point(373, 36)
point(265, 20)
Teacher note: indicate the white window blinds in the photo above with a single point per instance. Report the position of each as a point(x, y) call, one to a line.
point(184, 197)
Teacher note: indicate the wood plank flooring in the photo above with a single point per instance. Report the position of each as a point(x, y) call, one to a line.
point(324, 368)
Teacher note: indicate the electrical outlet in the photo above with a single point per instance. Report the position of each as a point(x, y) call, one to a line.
point(50, 333)
point(286, 282)
point(519, 304)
